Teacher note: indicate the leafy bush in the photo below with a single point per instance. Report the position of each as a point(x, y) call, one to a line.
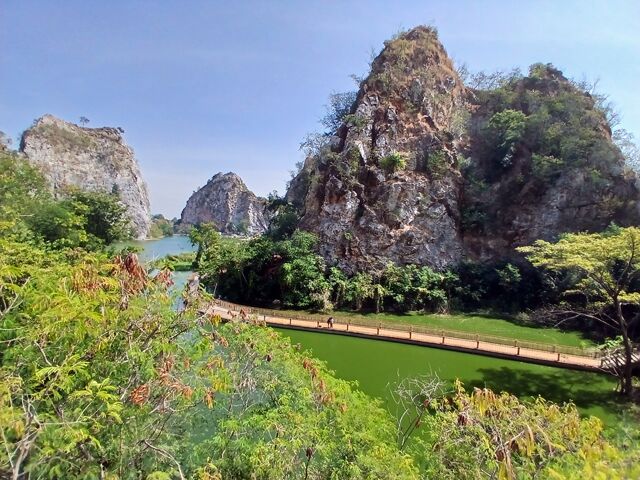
point(284, 217)
point(482, 434)
point(182, 262)
point(502, 287)
point(474, 218)
point(79, 219)
point(161, 227)
point(393, 162)
point(507, 127)
point(338, 110)
point(105, 216)
point(544, 166)
point(417, 288)
point(354, 120)
point(437, 163)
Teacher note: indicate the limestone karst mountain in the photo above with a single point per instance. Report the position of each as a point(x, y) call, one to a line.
point(226, 202)
point(90, 159)
point(426, 170)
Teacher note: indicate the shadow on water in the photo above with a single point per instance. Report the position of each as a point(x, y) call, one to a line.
point(585, 389)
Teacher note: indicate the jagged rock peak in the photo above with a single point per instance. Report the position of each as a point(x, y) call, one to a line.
point(368, 211)
point(226, 202)
point(96, 159)
point(424, 170)
point(413, 95)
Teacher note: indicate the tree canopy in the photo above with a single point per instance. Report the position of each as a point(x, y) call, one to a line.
point(608, 269)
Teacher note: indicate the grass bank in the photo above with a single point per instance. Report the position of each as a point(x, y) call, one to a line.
point(472, 323)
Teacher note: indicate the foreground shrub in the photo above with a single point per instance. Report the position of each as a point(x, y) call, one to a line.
point(100, 377)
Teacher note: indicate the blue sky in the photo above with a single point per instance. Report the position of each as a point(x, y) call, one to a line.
point(208, 86)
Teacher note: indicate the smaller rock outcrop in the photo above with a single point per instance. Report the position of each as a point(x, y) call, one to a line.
point(226, 202)
point(94, 159)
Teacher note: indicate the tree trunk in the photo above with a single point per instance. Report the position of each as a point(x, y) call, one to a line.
point(627, 368)
point(627, 384)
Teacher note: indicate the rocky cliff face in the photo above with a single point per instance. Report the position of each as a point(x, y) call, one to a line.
point(425, 170)
point(226, 202)
point(367, 212)
point(90, 159)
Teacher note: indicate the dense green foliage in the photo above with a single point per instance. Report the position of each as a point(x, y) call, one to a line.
point(541, 113)
point(182, 262)
point(607, 267)
point(101, 377)
point(485, 435)
point(79, 219)
point(284, 217)
point(527, 130)
point(290, 271)
point(393, 162)
point(161, 227)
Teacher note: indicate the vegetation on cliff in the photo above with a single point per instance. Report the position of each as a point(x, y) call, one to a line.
point(541, 141)
point(78, 219)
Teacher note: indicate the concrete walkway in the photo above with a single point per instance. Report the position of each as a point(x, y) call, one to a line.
point(232, 312)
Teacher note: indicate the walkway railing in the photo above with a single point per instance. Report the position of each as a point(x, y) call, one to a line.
point(517, 345)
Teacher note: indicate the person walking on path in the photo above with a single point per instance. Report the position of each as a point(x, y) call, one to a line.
point(330, 322)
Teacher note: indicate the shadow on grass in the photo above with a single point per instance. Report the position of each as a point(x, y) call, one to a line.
point(587, 334)
point(391, 316)
point(582, 388)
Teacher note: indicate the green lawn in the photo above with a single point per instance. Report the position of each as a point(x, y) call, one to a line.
point(473, 323)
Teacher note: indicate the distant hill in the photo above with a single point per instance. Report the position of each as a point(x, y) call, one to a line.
point(226, 202)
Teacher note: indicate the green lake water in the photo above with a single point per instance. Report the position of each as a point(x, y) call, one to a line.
point(158, 248)
point(151, 250)
point(376, 364)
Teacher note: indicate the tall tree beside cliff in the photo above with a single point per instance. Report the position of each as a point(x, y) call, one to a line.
point(608, 264)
